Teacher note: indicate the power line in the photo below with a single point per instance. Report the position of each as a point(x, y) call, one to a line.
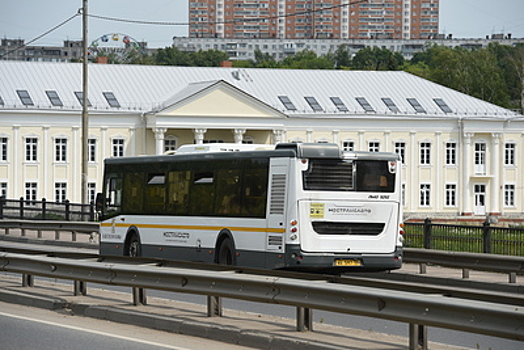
point(42, 35)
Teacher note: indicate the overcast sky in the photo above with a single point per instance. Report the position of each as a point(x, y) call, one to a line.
point(28, 19)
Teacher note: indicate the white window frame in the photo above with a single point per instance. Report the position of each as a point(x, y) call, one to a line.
point(118, 147)
point(373, 146)
point(510, 149)
point(60, 150)
point(509, 195)
point(4, 143)
point(425, 153)
point(31, 148)
point(451, 153)
point(60, 191)
point(348, 145)
point(400, 149)
point(425, 195)
point(451, 195)
point(31, 191)
point(92, 144)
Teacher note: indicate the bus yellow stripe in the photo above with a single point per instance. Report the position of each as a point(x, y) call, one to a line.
point(194, 227)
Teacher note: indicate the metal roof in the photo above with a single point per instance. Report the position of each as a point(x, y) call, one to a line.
point(141, 88)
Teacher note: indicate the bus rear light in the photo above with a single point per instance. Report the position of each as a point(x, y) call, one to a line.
point(294, 229)
point(304, 161)
point(293, 237)
point(294, 222)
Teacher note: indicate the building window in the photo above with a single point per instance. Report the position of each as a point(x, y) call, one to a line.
point(91, 144)
point(480, 158)
point(31, 149)
point(365, 104)
point(54, 98)
point(170, 144)
point(60, 192)
point(509, 154)
point(339, 104)
point(451, 195)
point(451, 153)
point(111, 99)
point(403, 194)
point(425, 191)
point(30, 191)
point(61, 150)
point(3, 149)
point(400, 149)
point(348, 146)
point(80, 97)
point(313, 103)
point(3, 189)
point(118, 147)
point(287, 103)
point(509, 195)
point(390, 104)
point(425, 153)
point(416, 105)
point(25, 97)
point(442, 105)
point(374, 146)
point(91, 192)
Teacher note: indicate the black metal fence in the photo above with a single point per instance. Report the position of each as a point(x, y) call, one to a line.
point(464, 238)
point(44, 210)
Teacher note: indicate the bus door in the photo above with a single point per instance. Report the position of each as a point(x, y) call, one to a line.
point(277, 204)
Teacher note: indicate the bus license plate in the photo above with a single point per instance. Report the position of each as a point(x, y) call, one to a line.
point(348, 262)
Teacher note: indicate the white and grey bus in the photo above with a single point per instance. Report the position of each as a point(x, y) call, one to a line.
point(291, 206)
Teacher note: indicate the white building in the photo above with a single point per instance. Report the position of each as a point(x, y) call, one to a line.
point(462, 156)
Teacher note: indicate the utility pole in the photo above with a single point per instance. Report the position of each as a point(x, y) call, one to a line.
point(85, 116)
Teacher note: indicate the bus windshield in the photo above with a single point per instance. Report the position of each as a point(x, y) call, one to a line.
point(349, 175)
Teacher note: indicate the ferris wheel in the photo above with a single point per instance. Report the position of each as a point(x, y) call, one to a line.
point(117, 43)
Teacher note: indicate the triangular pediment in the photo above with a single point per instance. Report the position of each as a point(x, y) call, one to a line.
point(217, 99)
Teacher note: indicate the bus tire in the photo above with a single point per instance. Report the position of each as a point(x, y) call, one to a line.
point(133, 247)
point(226, 253)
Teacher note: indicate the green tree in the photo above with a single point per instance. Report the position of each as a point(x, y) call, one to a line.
point(307, 59)
point(172, 56)
point(374, 58)
point(208, 58)
point(342, 57)
point(138, 57)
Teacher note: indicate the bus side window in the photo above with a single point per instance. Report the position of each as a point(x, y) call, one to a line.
point(228, 191)
point(155, 195)
point(202, 193)
point(255, 193)
point(178, 194)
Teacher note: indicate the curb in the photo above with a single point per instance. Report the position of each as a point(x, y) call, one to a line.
point(226, 334)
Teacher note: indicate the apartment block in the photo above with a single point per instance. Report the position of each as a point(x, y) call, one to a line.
point(314, 19)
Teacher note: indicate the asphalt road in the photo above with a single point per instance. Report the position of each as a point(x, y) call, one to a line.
point(25, 328)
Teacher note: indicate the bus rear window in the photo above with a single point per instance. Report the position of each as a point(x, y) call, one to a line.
point(346, 175)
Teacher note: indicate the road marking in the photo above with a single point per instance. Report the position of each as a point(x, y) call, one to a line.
point(93, 331)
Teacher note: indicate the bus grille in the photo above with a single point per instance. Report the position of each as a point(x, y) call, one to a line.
point(329, 175)
point(348, 228)
point(278, 194)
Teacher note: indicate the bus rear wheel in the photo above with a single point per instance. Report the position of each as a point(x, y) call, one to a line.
point(133, 247)
point(226, 253)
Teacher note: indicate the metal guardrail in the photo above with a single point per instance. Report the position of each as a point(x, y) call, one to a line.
point(512, 265)
point(24, 209)
point(82, 227)
point(495, 319)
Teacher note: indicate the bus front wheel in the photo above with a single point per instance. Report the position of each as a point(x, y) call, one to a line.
point(226, 253)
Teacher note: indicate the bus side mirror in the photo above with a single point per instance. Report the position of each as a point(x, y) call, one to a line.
point(99, 202)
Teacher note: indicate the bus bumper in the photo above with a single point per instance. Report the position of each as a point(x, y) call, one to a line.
point(299, 260)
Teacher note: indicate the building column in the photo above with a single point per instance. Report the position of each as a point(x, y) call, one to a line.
point(466, 192)
point(309, 136)
point(199, 135)
point(496, 185)
point(17, 162)
point(76, 163)
point(361, 145)
point(335, 136)
point(239, 135)
point(437, 191)
point(159, 140)
point(132, 141)
point(410, 176)
point(387, 135)
point(278, 136)
point(47, 160)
